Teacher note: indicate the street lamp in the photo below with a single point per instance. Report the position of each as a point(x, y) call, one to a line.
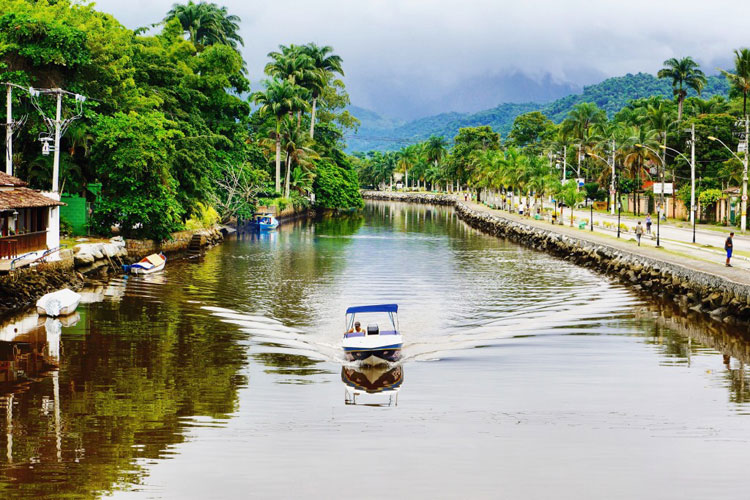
point(661, 207)
point(743, 221)
point(693, 207)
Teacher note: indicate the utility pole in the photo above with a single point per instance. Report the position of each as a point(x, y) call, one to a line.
point(56, 161)
point(743, 222)
point(692, 178)
point(9, 133)
point(663, 175)
point(612, 184)
point(565, 162)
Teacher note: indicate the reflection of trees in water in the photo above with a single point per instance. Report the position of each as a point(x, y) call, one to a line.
point(129, 373)
point(679, 336)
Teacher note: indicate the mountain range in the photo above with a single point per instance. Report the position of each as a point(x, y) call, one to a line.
point(379, 133)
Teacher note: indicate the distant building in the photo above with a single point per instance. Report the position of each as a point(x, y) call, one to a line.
point(29, 220)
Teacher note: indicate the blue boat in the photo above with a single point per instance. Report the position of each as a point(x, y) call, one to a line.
point(377, 342)
point(264, 222)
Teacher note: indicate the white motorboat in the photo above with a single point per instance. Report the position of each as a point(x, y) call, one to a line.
point(60, 303)
point(379, 341)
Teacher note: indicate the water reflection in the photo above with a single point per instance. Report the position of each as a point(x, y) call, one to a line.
point(372, 385)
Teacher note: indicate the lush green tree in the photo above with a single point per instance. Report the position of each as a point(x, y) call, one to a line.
point(469, 142)
point(207, 23)
point(740, 79)
point(133, 159)
point(531, 131)
point(685, 73)
point(336, 187)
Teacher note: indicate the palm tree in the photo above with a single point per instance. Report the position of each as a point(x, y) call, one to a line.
point(207, 23)
point(290, 63)
point(407, 157)
point(740, 79)
point(298, 150)
point(324, 64)
point(638, 149)
point(579, 121)
point(685, 74)
point(435, 150)
point(281, 99)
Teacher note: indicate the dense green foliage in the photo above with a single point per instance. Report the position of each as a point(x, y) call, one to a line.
point(610, 95)
point(165, 128)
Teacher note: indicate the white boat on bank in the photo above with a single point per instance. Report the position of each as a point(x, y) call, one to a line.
point(60, 303)
point(148, 265)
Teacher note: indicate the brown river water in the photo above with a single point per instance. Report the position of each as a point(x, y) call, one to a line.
point(523, 376)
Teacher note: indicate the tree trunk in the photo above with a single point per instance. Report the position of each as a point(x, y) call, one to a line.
point(288, 176)
point(278, 164)
point(680, 100)
point(312, 118)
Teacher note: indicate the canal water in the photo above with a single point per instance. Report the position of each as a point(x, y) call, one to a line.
point(523, 376)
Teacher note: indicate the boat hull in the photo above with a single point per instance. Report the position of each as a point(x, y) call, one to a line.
point(139, 270)
point(375, 357)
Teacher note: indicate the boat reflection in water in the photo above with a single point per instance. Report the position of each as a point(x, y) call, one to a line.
point(372, 385)
point(30, 348)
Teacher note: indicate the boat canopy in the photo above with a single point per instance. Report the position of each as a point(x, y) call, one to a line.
point(389, 308)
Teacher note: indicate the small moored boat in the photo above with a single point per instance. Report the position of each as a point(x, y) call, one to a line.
point(60, 303)
point(264, 222)
point(379, 341)
point(151, 264)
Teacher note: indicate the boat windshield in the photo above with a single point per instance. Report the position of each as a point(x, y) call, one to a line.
point(387, 322)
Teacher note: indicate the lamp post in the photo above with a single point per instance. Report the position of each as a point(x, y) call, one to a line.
point(661, 207)
point(691, 161)
point(743, 220)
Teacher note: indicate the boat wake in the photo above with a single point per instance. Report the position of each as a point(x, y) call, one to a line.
point(592, 315)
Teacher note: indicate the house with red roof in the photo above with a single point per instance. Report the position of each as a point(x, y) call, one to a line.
point(29, 220)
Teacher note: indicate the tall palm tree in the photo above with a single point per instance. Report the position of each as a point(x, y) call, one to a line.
point(298, 150)
point(407, 157)
point(324, 64)
point(280, 99)
point(578, 123)
point(740, 79)
point(207, 23)
point(435, 149)
point(289, 63)
point(685, 74)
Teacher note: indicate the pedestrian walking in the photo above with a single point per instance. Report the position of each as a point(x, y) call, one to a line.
point(648, 224)
point(729, 246)
point(638, 232)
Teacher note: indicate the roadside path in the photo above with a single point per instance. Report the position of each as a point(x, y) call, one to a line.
point(673, 252)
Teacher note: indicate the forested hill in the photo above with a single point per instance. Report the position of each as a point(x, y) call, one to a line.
point(381, 134)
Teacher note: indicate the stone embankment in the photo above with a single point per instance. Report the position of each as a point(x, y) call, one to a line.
point(112, 254)
point(21, 288)
point(690, 289)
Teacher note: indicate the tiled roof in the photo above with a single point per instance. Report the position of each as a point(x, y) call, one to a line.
point(9, 180)
point(22, 197)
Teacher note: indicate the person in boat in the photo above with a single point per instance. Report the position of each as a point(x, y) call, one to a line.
point(357, 328)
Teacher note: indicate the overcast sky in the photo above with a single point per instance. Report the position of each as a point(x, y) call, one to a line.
point(409, 58)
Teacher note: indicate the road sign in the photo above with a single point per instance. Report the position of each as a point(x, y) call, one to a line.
point(668, 188)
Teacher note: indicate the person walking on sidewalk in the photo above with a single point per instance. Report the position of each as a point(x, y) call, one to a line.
point(729, 246)
point(638, 232)
point(648, 224)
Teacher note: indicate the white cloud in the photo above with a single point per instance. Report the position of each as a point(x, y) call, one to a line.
point(431, 46)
